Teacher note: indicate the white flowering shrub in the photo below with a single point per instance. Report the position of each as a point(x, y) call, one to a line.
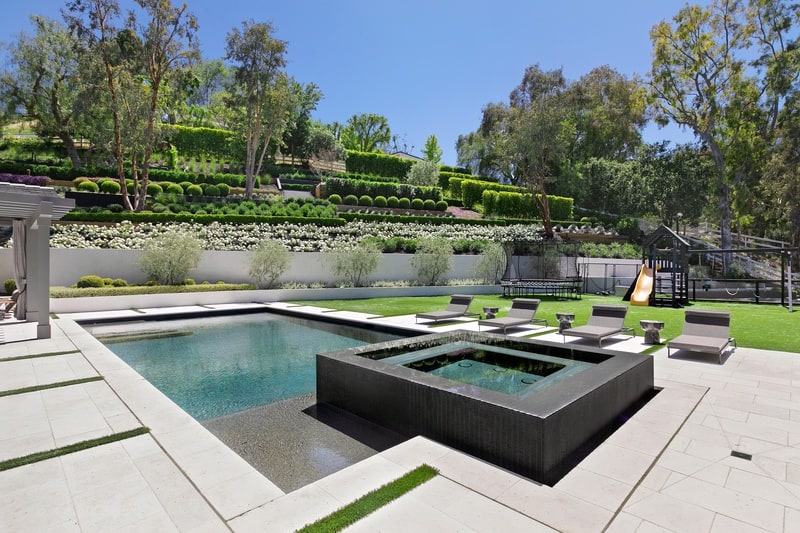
point(295, 237)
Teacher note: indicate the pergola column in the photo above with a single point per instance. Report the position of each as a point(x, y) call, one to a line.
point(38, 275)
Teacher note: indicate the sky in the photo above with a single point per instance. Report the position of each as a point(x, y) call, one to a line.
point(428, 66)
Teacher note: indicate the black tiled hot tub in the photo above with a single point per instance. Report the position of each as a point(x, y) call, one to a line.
point(525, 405)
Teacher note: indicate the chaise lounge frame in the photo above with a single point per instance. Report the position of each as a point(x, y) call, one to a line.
point(704, 331)
point(523, 311)
point(605, 321)
point(458, 307)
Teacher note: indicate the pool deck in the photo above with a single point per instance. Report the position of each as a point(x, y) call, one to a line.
point(669, 468)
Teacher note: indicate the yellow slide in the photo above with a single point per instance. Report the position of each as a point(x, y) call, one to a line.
point(643, 288)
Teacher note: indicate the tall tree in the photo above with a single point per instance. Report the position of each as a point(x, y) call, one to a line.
point(366, 132)
point(261, 93)
point(297, 135)
point(432, 151)
point(43, 80)
point(701, 79)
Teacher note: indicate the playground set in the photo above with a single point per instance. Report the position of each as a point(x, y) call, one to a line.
point(664, 277)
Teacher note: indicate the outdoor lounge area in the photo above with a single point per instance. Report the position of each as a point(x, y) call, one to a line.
point(714, 450)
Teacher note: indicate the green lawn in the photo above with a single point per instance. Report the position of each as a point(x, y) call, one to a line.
point(765, 326)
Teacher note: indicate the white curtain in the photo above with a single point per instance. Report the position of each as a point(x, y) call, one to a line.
point(20, 236)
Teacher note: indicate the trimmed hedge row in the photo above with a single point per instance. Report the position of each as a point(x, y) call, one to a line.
point(199, 219)
point(377, 163)
point(419, 219)
point(517, 205)
point(204, 142)
point(346, 187)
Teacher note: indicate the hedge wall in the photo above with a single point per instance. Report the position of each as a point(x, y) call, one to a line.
point(509, 204)
point(377, 163)
point(411, 219)
point(204, 142)
point(345, 187)
point(199, 219)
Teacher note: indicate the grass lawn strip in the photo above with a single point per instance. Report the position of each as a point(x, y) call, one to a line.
point(372, 501)
point(72, 448)
point(35, 388)
point(37, 355)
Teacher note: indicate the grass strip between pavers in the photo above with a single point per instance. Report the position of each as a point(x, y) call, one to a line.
point(71, 448)
point(37, 355)
point(372, 501)
point(34, 388)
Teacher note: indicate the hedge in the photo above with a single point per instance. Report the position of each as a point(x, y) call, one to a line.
point(204, 142)
point(199, 219)
point(508, 204)
point(345, 187)
point(419, 219)
point(377, 163)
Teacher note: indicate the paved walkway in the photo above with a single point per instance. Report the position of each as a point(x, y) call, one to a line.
point(718, 449)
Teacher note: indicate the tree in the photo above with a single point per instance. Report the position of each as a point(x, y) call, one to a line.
point(491, 264)
point(366, 132)
point(423, 173)
point(355, 264)
point(136, 62)
point(431, 151)
point(261, 95)
point(169, 257)
point(701, 79)
point(539, 134)
point(432, 260)
point(43, 80)
point(268, 261)
point(297, 135)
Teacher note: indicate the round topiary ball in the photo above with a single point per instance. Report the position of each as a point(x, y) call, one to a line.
point(194, 190)
point(335, 199)
point(211, 190)
point(429, 204)
point(154, 189)
point(88, 186)
point(365, 200)
point(350, 199)
point(380, 201)
point(392, 202)
point(404, 203)
point(173, 188)
point(442, 206)
point(417, 204)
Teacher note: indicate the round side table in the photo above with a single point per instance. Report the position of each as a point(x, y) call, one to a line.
point(652, 331)
point(565, 321)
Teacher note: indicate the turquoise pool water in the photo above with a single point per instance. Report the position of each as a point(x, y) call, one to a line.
point(216, 366)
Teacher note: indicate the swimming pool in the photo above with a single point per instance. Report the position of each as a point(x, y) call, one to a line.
point(215, 366)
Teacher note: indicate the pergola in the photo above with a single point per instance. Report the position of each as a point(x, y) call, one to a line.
point(29, 210)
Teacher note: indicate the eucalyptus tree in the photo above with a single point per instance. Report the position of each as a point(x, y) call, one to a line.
point(136, 56)
point(260, 99)
point(724, 71)
point(297, 136)
point(366, 132)
point(42, 80)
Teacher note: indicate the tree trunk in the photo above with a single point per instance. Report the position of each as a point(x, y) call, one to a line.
point(544, 208)
point(72, 150)
point(726, 240)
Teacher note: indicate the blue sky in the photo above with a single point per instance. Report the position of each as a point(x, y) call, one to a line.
point(428, 66)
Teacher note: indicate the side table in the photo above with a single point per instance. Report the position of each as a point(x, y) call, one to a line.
point(652, 331)
point(565, 321)
point(490, 312)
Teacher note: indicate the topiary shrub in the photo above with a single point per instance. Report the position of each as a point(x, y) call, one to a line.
point(194, 190)
point(404, 203)
point(429, 204)
point(392, 202)
point(88, 186)
point(154, 189)
point(335, 199)
point(380, 201)
point(9, 285)
point(417, 204)
point(189, 281)
point(90, 281)
point(441, 205)
point(119, 282)
point(365, 200)
point(159, 208)
point(185, 185)
point(173, 188)
point(211, 190)
point(115, 208)
point(110, 187)
point(224, 189)
point(350, 199)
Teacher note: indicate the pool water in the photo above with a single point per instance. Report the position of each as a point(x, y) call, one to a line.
point(497, 368)
point(217, 366)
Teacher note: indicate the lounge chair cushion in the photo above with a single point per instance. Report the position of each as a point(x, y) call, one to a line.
point(696, 343)
point(458, 306)
point(523, 311)
point(591, 332)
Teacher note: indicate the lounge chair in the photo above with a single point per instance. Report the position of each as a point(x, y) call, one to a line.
point(605, 321)
point(705, 332)
point(522, 312)
point(458, 307)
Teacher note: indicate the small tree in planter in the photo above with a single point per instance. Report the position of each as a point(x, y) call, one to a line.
point(169, 257)
point(268, 261)
point(432, 260)
point(354, 264)
point(491, 264)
